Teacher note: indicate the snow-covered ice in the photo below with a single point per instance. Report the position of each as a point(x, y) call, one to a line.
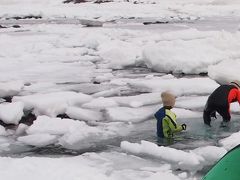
point(11, 113)
point(52, 104)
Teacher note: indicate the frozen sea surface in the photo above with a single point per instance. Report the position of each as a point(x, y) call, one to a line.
point(54, 62)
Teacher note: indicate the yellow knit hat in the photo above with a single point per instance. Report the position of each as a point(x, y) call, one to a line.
point(168, 99)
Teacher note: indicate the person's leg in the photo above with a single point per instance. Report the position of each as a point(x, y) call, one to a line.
point(224, 112)
point(208, 112)
point(207, 117)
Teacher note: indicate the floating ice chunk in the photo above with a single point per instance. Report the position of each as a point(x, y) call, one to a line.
point(191, 102)
point(163, 168)
point(178, 158)
point(136, 104)
point(81, 138)
point(55, 126)
point(75, 134)
point(118, 81)
point(38, 140)
point(211, 154)
point(196, 86)
point(11, 113)
point(130, 114)
point(90, 42)
point(110, 92)
point(10, 88)
point(50, 168)
point(100, 103)
point(139, 100)
point(84, 114)
point(149, 76)
point(119, 53)
point(21, 129)
point(52, 104)
point(3, 132)
point(104, 77)
point(40, 87)
point(183, 175)
point(174, 55)
point(231, 141)
point(72, 131)
point(225, 72)
point(185, 113)
point(134, 148)
point(223, 2)
point(163, 175)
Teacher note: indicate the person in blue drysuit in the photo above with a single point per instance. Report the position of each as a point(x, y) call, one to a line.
point(167, 124)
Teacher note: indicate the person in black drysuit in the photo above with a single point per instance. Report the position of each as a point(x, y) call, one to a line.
point(219, 101)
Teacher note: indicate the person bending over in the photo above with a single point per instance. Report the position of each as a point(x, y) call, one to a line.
point(219, 101)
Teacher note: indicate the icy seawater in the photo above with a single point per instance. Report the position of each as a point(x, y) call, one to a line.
point(199, 134)
point(196, 135)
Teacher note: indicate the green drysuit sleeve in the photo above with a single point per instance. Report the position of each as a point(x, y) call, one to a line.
point(170, 127)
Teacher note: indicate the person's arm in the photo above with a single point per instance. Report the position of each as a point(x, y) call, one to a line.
point(173, 125)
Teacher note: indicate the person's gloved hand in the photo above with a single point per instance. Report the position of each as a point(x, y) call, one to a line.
point(184, 126)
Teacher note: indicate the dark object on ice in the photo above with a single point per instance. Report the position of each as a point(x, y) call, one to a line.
point(28, 118)
point(8, 98)
point(96, 82)
point(26, 17)
point(156, 22)
point(227, 167)
point(27, 84)
point(7, 126)
point(219, 101)
point(91, 23)
point(1, 27)
point(203, 74)
point(16, 26)
point(62, 116)
point(75, 1)
point(102, 1)
point(84, 1)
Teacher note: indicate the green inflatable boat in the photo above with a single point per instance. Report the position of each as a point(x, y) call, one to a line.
point(227, 168)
